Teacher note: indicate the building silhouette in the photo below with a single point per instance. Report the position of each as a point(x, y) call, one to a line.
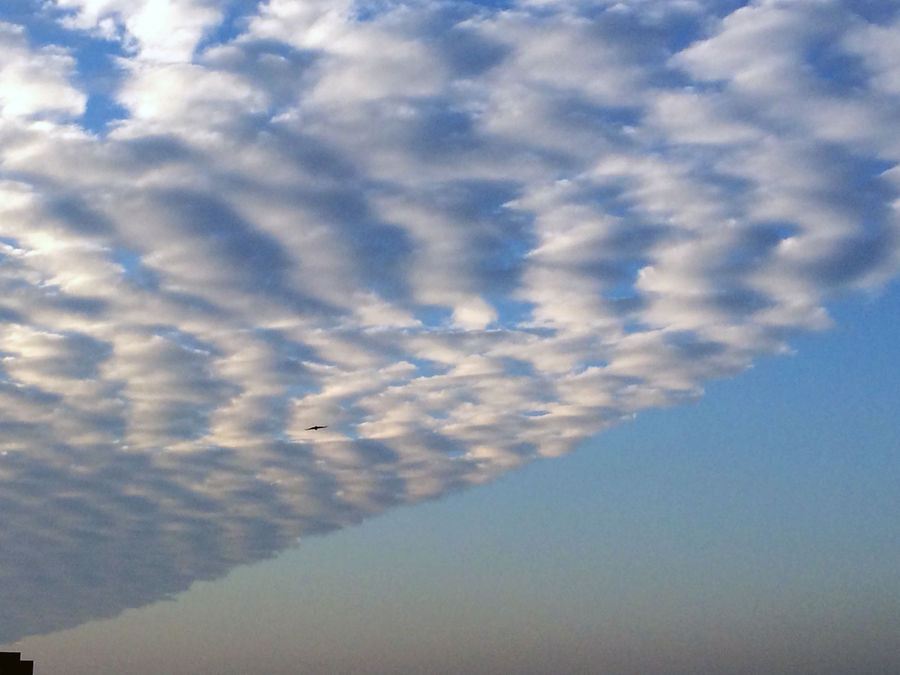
point(11, 663)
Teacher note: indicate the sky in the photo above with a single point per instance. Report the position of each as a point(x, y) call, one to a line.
point(603, 289)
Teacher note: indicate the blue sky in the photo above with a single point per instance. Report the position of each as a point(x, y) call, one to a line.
point(470, 238)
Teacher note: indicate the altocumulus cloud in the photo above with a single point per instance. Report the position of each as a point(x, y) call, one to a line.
point(463, 235)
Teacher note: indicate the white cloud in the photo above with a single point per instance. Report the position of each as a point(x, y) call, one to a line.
point(461, 238)
point(873, 44)
point(157, 30)
point(35, 82)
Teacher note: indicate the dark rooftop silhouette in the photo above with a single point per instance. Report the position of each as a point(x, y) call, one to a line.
point(11, 663)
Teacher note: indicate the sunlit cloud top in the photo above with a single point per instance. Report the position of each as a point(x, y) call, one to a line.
point(462, 235)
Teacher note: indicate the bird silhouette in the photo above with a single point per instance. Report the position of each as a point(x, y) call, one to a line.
point(317, 427)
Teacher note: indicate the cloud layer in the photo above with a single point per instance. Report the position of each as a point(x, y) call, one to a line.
point(463, 235)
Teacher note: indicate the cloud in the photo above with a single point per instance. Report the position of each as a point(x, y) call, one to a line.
point(460, 235)
point(35, 82)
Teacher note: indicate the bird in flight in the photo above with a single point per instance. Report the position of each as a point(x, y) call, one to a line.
point(317, 427)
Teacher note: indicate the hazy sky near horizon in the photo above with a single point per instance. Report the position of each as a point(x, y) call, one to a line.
point(462, 235)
